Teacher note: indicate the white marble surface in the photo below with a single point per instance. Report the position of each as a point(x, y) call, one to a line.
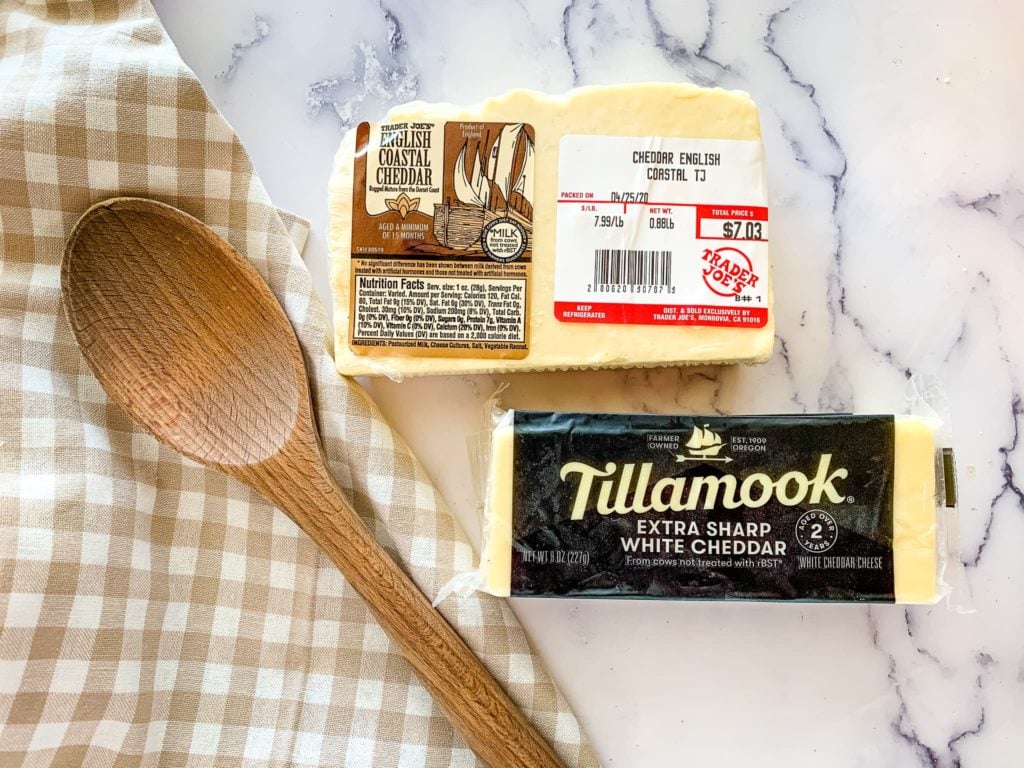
point(897, 179)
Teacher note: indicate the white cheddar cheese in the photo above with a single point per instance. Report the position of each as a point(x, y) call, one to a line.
point(914, 524)
point(657, 114)
point(496, 553)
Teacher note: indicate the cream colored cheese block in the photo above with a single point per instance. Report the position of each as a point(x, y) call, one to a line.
point(665, 110)
point(914, 523)
point(496, 553)
point(914, 513)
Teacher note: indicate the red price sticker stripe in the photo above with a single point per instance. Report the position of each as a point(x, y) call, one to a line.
point(744, 212)
point(660, 314)
point(728, 222)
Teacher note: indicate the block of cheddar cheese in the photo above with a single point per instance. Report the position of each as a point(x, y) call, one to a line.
point(814, 508)
point(608, 227)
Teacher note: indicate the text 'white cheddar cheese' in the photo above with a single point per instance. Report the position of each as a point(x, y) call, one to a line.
point(636, 216)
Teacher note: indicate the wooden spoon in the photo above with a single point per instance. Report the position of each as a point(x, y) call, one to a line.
point(186, 337)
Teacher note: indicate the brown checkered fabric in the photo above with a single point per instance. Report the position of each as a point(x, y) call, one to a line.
point(156, 613)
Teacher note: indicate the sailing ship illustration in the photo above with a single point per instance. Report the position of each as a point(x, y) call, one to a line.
point(704, 443)
point(488, 189)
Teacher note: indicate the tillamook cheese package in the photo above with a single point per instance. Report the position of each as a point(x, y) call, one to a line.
point(826, 507)
point(608, 227)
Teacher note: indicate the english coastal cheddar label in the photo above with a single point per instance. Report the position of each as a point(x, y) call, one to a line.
point(442, 236)
point(661, 231)
point(762, 507)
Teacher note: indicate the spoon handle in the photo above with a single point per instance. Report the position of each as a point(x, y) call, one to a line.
point(479, 709)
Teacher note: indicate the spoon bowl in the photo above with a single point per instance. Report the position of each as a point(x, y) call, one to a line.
point(186, 337)
point(150, 319)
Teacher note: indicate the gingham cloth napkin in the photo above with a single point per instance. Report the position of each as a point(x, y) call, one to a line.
point(154, 612)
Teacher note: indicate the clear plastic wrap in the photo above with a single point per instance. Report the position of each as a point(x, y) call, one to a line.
point(910, 557)
point(926, 400)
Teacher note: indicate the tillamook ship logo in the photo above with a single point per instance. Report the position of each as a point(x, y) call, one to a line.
point(621, 493)
point(704, 445)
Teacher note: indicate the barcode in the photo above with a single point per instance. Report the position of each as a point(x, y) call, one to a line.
point(616, 266)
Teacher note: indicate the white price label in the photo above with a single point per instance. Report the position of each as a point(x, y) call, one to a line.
point(656, 230)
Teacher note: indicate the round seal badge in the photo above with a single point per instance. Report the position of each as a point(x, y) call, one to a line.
point(816, 531)
point(504, 239)
point(727, 271)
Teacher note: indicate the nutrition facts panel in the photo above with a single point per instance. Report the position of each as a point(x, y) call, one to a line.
point(472, 310)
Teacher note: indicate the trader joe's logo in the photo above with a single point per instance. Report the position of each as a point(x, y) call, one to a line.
point(727, 271)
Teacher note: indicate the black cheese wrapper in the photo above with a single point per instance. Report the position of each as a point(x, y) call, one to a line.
point(748, 507)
